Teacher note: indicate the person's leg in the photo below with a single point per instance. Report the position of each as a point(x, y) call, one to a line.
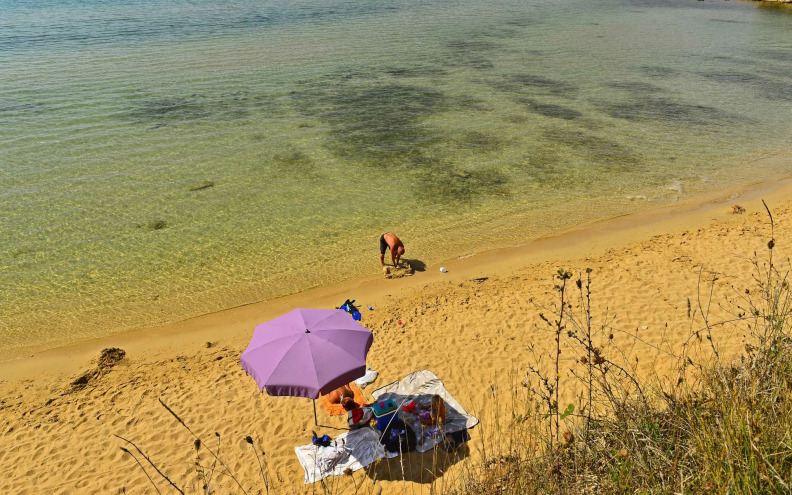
point(383, 247)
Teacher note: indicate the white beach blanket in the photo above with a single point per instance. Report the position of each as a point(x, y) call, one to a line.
point(421, 386)
point(353, 450)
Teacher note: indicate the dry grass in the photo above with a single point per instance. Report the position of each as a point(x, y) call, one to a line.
point(720, 427)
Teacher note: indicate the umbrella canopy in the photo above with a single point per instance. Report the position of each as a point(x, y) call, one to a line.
point(307, 352)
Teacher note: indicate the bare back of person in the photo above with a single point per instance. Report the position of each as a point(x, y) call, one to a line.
point(338, 395)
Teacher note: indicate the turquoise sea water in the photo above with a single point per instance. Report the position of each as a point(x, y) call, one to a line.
point(460, 125)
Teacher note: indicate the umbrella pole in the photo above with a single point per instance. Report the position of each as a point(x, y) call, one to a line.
point(316, 422)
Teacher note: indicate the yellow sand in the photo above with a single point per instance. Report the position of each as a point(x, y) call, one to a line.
point(473, 326)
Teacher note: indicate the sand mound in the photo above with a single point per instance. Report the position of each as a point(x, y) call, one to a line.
point(102, 364)
point(403, 269)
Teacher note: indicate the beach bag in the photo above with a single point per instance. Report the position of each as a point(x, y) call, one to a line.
point(360, 417)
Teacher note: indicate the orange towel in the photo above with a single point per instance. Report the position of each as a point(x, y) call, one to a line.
point(338, 409)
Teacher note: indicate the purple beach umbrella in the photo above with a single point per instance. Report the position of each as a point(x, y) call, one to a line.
point(307, 352)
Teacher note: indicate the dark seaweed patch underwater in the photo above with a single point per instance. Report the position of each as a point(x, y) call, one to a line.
point(162, 111)
point(646, 103)
point(474, 54)
point(606, 153)
point(532, 85)
point(550, 109)
point(159, 111)
point(658, 71)
point(383, 126)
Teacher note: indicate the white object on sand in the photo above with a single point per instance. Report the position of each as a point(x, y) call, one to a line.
point(368, 378)
point(443, 269)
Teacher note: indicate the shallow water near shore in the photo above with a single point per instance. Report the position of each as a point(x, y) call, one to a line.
point(161, 160)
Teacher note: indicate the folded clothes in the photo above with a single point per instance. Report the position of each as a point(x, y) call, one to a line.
point(360, 417)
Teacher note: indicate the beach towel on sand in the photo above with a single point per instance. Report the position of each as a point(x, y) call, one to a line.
point(338, 409)
point(421, 386)
point(353, 450)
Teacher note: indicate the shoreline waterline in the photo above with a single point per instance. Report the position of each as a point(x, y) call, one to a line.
point(235, 324)
point(141, 310)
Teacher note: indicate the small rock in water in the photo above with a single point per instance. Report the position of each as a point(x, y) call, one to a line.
point(155, 225)
point(201, 186)
point(737, 210)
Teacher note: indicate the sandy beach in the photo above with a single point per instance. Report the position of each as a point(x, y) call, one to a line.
point(477, 327)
